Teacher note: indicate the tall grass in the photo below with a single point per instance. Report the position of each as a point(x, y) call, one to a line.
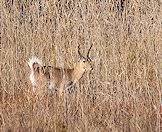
point(122, 93)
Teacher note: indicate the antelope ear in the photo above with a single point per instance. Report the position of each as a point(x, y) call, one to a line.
point(36, 67)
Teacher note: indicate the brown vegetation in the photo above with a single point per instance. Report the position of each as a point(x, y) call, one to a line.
point(122, 93)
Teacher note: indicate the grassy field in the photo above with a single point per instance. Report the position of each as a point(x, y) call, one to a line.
point(123, 91)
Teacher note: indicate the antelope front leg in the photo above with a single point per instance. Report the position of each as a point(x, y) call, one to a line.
point(61, 89)
point(70, 87)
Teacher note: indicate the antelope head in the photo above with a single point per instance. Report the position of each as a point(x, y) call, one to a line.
point(84, 64)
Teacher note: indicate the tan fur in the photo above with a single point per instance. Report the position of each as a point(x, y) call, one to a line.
point(54, 77)
point(58, 78)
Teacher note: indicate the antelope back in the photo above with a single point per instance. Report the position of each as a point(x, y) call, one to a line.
point(60, 76)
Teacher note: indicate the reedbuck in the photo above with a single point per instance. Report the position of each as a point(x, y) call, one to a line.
point(57, 78)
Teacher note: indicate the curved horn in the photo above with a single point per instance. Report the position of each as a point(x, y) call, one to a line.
point(88, 58)
point(79, 52)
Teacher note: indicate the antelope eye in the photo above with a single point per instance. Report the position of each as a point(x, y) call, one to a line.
point(84, 61)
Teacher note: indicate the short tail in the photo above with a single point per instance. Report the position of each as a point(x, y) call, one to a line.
point(34, 64)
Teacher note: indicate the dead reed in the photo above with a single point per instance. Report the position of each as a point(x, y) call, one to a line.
point(122, 93)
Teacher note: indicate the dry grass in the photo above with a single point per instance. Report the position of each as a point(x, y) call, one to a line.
point(123, 91)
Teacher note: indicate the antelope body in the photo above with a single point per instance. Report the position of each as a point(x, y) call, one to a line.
point(56, 78)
